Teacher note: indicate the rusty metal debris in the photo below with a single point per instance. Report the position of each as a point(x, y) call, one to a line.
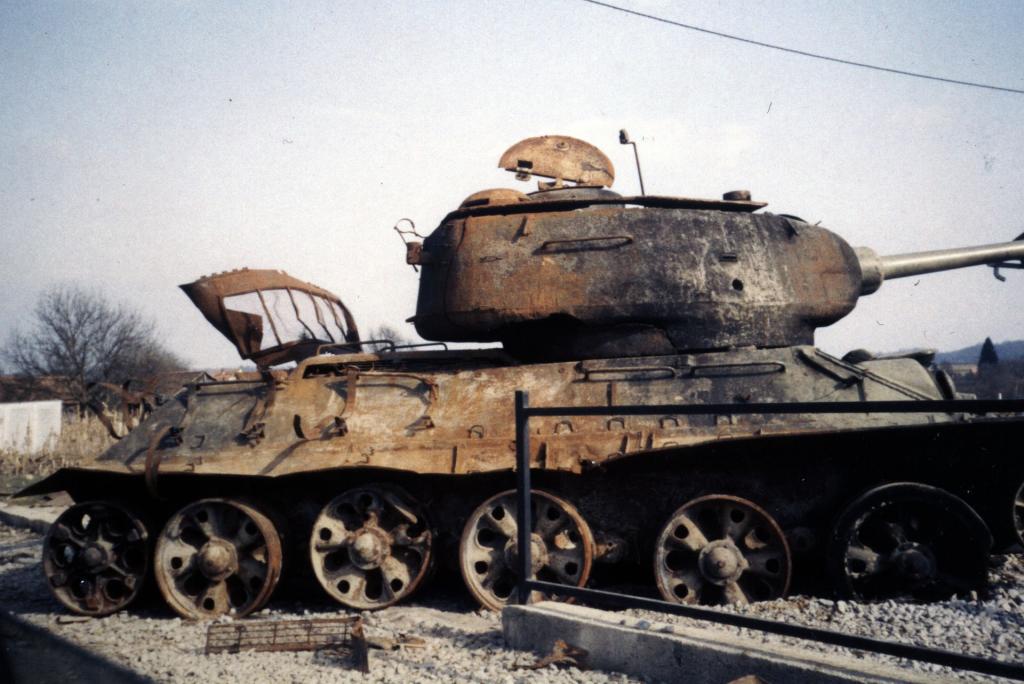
point(136, 405)
point(72, 619)
point(395, 643)
point(413, 247)
point(563, 654)
point(343, 637)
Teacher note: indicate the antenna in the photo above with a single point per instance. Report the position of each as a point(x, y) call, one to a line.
point(624, 139)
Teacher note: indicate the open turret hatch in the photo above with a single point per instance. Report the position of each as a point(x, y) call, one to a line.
point(559, 157)
point(271, 317)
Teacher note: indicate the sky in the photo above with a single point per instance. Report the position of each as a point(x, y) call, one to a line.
point(143, 145)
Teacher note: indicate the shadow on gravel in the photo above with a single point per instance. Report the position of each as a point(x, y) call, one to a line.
point(406, 669)
point(23, 589)
point(29, 654)
point(467, 640)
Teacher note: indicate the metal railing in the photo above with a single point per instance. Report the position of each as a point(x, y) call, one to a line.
point(527, 584)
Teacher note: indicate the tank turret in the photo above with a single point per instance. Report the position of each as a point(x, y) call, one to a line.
point(582, 272)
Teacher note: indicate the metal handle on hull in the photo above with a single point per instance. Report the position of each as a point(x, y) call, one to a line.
point(582, 243)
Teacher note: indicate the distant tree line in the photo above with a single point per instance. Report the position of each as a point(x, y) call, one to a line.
point(994, 378)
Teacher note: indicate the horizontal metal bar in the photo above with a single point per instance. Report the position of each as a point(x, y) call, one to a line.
point(443, 345)
point(975, 406)
point(355, 345)
point(900, 650)
point(219, 383)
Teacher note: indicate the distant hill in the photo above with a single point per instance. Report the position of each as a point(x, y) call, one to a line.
point(1007, 351)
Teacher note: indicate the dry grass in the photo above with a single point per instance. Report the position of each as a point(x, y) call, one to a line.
point(80, 441)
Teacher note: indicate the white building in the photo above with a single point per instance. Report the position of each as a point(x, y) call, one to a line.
point(30, 426)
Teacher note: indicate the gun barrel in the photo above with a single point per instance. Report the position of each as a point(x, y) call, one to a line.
point(876, 269)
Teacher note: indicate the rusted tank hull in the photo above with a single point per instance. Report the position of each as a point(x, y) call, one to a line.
point(438, 426)
point(451, 413)
point(803, 481)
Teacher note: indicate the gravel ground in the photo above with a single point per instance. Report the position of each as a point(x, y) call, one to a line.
point(463, 644)
point(992, 628)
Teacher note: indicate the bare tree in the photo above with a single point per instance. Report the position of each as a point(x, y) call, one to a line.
point(78, 339)
point(385, 332)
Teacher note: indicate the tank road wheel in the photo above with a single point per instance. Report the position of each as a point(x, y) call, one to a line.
point(561, 543)
point(371, 547)
point(95, 557)
point(908, 540)
point(217, 557)
point(1018, 513)
point(721, 549)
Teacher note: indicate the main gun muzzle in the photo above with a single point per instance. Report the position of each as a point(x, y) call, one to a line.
point(875, 269)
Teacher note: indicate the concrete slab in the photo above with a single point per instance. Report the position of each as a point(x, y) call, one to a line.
point(29, 517)
point(672, 653)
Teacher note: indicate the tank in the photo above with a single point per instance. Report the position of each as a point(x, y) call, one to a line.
point(361, 470)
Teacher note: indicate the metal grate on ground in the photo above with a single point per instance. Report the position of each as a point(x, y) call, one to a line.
point(342, 637)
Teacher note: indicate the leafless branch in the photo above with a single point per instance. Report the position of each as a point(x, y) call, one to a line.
point(78, 338)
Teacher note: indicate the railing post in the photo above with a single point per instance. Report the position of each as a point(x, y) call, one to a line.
point(523, 522)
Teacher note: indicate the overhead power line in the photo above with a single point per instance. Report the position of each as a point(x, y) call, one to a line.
point(802, 53)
